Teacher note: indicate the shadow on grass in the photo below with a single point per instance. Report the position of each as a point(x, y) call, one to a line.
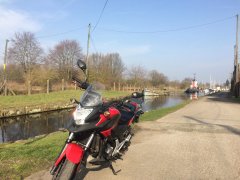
point(226, 127)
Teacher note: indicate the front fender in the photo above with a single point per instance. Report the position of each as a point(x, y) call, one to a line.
point(74, 153)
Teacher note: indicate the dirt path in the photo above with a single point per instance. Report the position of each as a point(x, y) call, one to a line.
point(200, 141)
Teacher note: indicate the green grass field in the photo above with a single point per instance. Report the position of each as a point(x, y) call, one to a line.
point(156, 114)
point(20, 159)
point(54, 97)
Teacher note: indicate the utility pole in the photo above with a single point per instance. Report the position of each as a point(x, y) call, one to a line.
point(236, 53)
point(5, 68)
point(235, 87)
point(88, 42)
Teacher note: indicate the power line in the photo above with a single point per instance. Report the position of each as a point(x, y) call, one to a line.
point(169, 30)
point(134, 32)
point(100, 15)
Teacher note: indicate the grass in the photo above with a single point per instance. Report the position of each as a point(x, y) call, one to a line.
point(20, 159)
point(156, 114)
point(52, 98)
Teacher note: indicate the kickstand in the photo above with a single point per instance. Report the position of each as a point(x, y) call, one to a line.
point(113, 170)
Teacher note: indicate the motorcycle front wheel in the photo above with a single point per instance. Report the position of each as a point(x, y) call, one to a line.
point(66, 171)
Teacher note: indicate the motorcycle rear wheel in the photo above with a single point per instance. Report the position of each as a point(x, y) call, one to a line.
point(67, 171)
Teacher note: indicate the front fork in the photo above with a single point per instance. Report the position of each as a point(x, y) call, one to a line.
point(67, 153)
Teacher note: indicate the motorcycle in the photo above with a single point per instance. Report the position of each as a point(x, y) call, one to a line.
point(98, 129)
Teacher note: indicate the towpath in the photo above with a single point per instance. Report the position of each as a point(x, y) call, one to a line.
point(199, 141)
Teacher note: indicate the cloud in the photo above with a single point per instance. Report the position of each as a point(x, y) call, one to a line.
point(12, 21)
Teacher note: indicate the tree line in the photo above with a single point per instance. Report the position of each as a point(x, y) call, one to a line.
point(27, 61)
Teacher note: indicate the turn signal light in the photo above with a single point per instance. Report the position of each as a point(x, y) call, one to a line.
point(106, 113)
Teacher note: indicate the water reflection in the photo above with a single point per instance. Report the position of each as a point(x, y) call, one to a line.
point(193, 96)
point(151, 103)
point(23, 127)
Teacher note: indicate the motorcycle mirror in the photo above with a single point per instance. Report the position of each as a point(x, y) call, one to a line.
point(137, 95)
point(82, 65)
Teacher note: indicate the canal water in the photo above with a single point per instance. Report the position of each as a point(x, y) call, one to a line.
point(24, 127)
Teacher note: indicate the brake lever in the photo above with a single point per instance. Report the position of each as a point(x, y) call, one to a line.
point(74, 101)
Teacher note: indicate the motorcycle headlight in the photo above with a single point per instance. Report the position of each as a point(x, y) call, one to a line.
point(80, 114)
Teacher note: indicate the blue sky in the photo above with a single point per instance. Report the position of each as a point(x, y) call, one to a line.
point(176, 50)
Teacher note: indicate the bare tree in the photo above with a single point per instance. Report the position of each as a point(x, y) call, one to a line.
point(175, 83)
point(157, 78)
point(137, 75)
point(64, 56)
point(26, 51)
point(106, 68)
point(186, 83)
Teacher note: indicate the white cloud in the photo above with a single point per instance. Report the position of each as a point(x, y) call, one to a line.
point(12, 21)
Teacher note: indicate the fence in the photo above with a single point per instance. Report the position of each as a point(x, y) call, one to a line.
point(28, 88)
point(21, 88)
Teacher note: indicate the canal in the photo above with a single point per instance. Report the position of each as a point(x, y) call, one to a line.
point(24, 127)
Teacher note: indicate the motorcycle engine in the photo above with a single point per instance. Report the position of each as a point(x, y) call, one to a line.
point(109, 150)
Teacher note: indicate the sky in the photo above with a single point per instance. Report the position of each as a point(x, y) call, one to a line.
point(177, 38)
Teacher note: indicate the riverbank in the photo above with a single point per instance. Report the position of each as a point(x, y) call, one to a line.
point(25, 157)
point(28, 104)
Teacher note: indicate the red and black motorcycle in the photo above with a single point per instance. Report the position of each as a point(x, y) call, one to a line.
point(99, 129)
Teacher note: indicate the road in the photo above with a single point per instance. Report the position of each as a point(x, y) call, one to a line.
point(199, 141)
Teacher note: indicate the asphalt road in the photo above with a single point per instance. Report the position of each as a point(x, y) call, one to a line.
point(199, 141)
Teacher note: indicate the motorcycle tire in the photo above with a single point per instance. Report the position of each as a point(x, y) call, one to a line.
point(67, 171)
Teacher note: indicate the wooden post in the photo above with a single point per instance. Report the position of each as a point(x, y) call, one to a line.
point(48, 86)
point(114, 86)
point(119, 87)
point(29, 87)
point(2, 129)
point(62, 84)
point(5, 68)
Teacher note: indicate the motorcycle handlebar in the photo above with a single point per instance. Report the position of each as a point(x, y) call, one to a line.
point(83, 85)
point(137, 95)
point(121, 101)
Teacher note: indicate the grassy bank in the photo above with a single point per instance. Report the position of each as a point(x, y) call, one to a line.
point(20, 159)
point(54, 97)
point(156, 114)
point(23, 158)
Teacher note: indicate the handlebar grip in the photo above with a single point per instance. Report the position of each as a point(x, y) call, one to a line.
point(77, 80)
point(83, 85)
